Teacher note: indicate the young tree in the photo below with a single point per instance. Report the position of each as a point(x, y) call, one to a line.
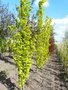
point(22, 44)
point(42, 37)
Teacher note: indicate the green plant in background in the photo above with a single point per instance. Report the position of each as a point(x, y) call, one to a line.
point(6, 19)
point(2, 45)
point(63, 51)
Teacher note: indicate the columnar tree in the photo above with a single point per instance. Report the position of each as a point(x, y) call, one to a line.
point(42, 37)
point(21, 42)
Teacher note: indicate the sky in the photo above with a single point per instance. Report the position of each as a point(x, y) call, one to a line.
point(55, 9)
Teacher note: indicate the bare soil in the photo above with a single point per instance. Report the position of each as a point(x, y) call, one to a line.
point(51, 77)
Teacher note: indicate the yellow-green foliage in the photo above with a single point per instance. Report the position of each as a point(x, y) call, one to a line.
point(21, 42)
point(42, 37)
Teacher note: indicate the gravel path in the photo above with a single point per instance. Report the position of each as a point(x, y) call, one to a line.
point(51, 77)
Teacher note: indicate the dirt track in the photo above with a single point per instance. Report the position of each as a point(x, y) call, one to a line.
point(51, 77)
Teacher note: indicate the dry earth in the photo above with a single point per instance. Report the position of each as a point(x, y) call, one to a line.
point(51, 77)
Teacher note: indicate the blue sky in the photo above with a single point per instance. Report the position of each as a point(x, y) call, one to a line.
point(56, 9)
point(12, 4)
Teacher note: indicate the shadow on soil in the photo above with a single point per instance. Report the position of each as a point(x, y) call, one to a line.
point(7, 59)
point(7, 81)
point(64, 74)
